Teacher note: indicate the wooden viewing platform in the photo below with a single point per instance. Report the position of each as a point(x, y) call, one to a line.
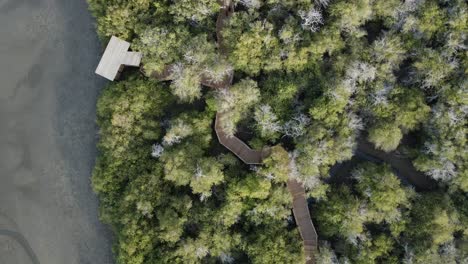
point(116, 55)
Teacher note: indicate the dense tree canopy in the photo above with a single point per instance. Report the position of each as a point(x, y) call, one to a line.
point(310, 79)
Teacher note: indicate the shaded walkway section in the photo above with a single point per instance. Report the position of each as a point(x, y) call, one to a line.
point(303, 220)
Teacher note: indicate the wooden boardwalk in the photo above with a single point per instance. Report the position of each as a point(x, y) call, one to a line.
point(116, 55)
point(303, 220)
point(300, 206)
point(238, 147)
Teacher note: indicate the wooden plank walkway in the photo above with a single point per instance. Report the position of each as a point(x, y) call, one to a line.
point(303, 220)
point(238, 147)
point(116, 55)
point(300, 206)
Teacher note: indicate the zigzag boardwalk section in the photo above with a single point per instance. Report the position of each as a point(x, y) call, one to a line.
point(241, 149)
point(300, 207)
point(303, 220)
point(238, 147)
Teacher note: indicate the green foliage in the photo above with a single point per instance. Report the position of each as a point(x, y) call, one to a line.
point(276, 166)
point(428, 20)
point(186, 165)
point(383, 192)
point(255, 50)
point(211, 240)
point(330, 138)
point(279, 91)
point(119, 18)
point(187, 85)
point(339, 214)
point(385, 10)
point(277, 241)
point(160, 46)
point(250, 187)
point(371, 250)
point(406, 110)
point(433, 68)
point(267, 122)
point(433, 221)
point(308, 77)
point(351, 14)
point(234, 103)
point(441, 72)
point(125, 113)
point(195, 10)
point(361, 215)
point(326, 255)
point(183, 166)
point(385, 136)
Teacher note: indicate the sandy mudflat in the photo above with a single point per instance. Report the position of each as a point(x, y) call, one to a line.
point(48, 91)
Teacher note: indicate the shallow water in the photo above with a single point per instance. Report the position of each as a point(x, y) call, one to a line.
point(48, 91)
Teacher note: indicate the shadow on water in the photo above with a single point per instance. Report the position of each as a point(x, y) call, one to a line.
point(401, 165)
point(18, 237)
